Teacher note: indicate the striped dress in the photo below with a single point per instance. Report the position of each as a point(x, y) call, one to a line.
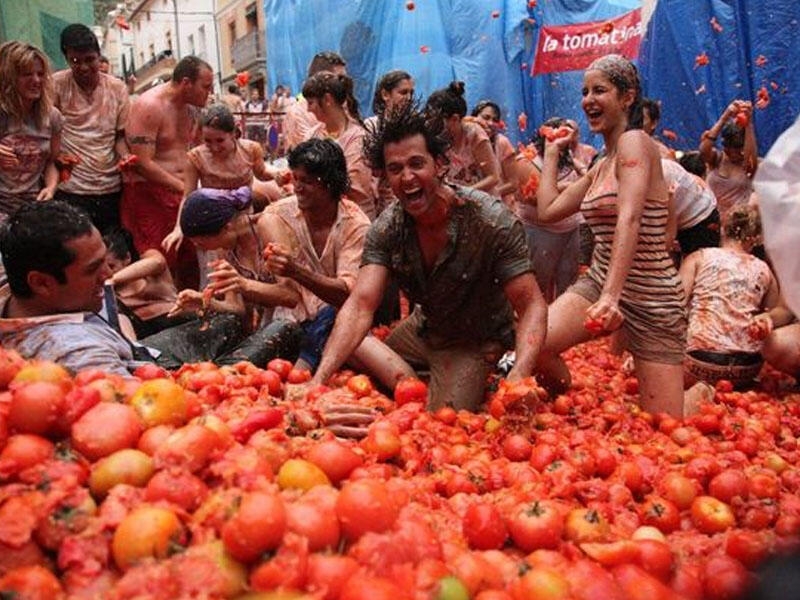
point(652, 299)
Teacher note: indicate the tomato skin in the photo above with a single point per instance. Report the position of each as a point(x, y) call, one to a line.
point(535, 526)
point(679, 490)
point(148, 531)
point(365, 505)
point(23, 451)
point(160, 402)
point(727, 485)
point(383, 440)
point(517, 447)
point(360, 385)
point(178, 487)
point(661, 513)
point(725, 578)
point(296, 376)
point(128, 466)
point(410, 389)
point(257, 526)
point(585, 525)
point(483, 527)
point(315, 519)
point(710, 515)
point(300, 474)
point(335, 458)
point(31, 583)
point(35, 407)
point(281, 366)
point(286, 570)
point(104, 429)
point(637, 584)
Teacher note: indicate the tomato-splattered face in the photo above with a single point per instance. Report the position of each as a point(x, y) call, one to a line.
point(489, 119)
point(411, 171)
point(603, 103)
point(399, 95)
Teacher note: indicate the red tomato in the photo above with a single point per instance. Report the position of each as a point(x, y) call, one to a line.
point(763, 485)
point(106, 428)
point(655, 557)
point(660, 513)
point(31, 583)
point(23, 451)
point(296, 376)
point(335, 458)
point(446, 415)
point(679, 490)
point(410, 389)
point(190, 447)
point(585, 525)
point(315, 519)
point(542, 582)
point(178, 487)
point(256, 527)
point(284, 571)
point(150, 371)
point(281, 366)
point(147, 531)
point(535, 526)
point(637, 584)
point(360, 385)
point(327, 574)
point(710, 515)
point(729, 484)
point(369, 587)
point(517, 447)
point(748, 547)
point(725, 578)
point(269, 379)
point(594, 326)
point(35, 407)
point(383, 440)
point(365, 505)
point(484, 527)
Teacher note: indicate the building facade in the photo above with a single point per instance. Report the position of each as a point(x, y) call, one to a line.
point(242, 28)
point(151, 36)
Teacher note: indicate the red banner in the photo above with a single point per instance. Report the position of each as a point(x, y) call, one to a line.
point(574, 47)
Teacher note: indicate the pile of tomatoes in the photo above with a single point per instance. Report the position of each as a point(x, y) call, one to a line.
point(227, 482)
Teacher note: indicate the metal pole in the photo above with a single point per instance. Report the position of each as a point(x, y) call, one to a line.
point(177, 31)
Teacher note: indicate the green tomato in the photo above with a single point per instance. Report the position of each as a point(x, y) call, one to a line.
point(451, 588)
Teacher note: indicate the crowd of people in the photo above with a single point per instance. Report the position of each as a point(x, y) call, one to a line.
point(142, 230)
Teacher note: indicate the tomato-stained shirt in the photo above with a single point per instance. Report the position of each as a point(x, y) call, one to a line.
point(91, 124)
point(462, 297)
point(76, 341)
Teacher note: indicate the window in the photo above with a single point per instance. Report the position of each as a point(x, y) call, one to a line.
point(251, 17)
point(232, 31)
point(191, 44)
point(169, 40)
point(152, 49)
point(147, 15)
point(201, 41)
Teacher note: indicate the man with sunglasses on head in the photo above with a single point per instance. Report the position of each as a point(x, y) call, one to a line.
point(95, 107)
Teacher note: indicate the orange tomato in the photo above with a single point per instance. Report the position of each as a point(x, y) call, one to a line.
point(160, 402)
point(146, 532)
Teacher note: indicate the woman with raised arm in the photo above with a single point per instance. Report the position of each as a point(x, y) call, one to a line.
point(731, 169)
point(471, 158)
point(632, 284)
point(30, 127)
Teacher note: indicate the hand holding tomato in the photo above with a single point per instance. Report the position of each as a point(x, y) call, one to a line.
point(225, 278)
point(128, 162)
point(280, 260)
point(186, 301)
point(604, 316)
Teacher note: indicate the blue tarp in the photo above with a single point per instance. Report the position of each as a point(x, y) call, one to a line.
point(694, 97)
point(489, 45)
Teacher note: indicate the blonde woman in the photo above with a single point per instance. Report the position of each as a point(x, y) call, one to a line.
point(30, 127)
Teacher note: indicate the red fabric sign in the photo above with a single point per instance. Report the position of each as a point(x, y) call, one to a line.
point(574, 47)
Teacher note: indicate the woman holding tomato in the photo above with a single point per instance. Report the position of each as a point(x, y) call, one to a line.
point(555, 247)
point(731, 170)
point(632, 284)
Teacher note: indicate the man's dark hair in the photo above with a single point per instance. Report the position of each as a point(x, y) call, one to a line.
point(189, 67)
point(404, 121)
point(34, 239)
point(694, 163)
point(119, 243)
point(233, 89)
point(653, 108)
point(325, 160)
point(78, 37)
point(324, 61)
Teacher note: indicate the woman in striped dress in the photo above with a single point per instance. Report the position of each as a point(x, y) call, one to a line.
point(632, 286)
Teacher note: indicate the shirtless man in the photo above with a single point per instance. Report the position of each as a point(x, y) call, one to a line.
point(162, 127)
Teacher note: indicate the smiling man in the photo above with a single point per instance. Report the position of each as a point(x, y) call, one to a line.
point(56, 264)
point(458, 254)
point(95, 107)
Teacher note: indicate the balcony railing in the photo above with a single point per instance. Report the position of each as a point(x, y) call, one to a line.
point(156, 66)
point(246, 50)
